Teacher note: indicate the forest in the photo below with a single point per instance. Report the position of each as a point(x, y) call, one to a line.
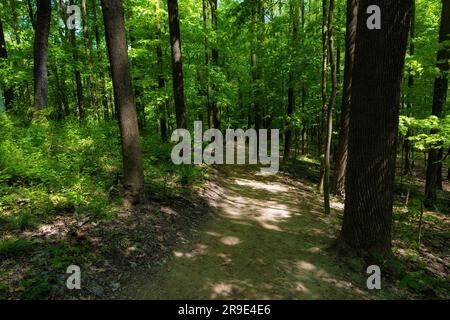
point(349, 95)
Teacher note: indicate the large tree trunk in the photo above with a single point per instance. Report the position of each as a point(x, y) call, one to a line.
point(342, 149)
point(9, 95)
point(177, 65)
point(133, 177)
point(329, 131)
point(439, 99)
point(374, 114)
point(44, 8)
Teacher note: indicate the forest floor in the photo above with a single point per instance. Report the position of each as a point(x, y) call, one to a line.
point(267, 238)
point(206, 232)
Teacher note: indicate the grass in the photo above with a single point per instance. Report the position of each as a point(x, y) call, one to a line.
point(13, 247)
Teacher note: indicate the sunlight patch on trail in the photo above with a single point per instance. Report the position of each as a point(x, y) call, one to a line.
point(271, 187)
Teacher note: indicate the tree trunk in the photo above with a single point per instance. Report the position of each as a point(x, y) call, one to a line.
point(177, 65)
point(342, 149)
point(291, 94)
point(88, 48)
point(77, 73)
point(161, 81)
point(133, 176)
point(44, 8)
point(323, 85)
point(214, 63)
point(326, 182)
point(9, 94)
point(104, 95)
point(374, 114)
point(407, 145)
point(439, 99)
point(258, 24)
point(15, 20)
point(31, 13)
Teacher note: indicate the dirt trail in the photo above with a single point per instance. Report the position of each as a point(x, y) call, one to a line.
point(267, 239)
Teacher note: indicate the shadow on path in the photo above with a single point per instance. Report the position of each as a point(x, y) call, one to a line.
point(267, 239)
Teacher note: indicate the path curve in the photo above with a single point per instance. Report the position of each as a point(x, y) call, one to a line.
point(266, 239)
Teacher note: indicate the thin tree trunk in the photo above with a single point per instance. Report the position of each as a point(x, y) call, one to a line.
point(31, 13)
point(77, 73)
point(326, 184)
point(104, 95)
point(15, 18)
point(177, 65)
point(88, 48)
point(161, 81)
point(133, 176)
point(40, 53)
point(407, 145)
point(439, 99)
point(207, 91)
point(291, 93)
point(373, 131)
point(342, 149)
point(321, 146)
point(214, 63)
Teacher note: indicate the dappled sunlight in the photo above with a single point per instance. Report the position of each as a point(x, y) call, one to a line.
point(337, 205)
point(225, 257)
point(212, 233)
point(271, 187)
point(199, 250)
point(168, 210)
point(301, 288)
point(223, 290)
point(303, 265)
point(266, 213)
point(266, 241)
point(230, 241)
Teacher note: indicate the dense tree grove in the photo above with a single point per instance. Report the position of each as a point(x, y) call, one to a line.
point(91, 91)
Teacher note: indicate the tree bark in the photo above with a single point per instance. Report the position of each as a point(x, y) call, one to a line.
point(92, 99)
point(77, 72)
point(342, 149)
point(331, 103)
point(291, 93)
point(104, 95)
point(161, 82)
point(214, 64)
point(407, 144)
point(9, 94)
point(40, 53)
point(133, 176)
point(323, 86)
point(374, 114)
point(31, 13)
point(15, 18)
point(177, 64)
